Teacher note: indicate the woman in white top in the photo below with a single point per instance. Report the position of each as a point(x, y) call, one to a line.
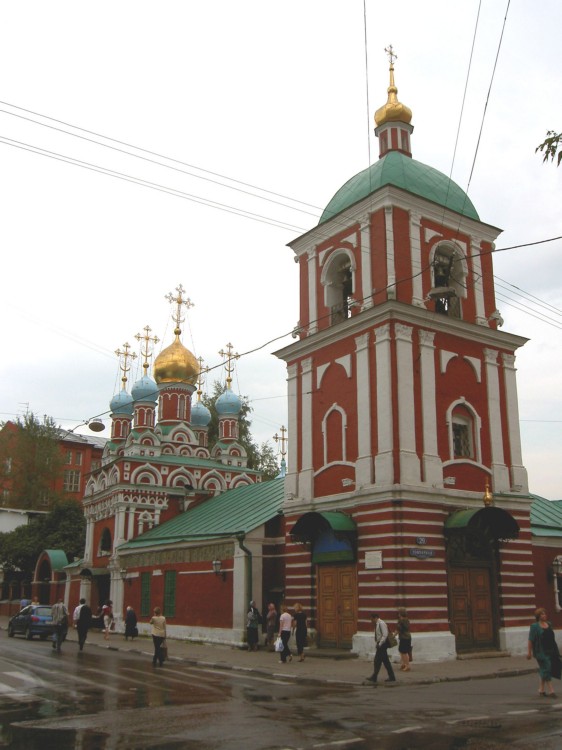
point(285, 624)
point(158, 631)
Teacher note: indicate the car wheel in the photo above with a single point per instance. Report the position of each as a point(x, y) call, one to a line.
point(28, 634)
point(11, 631)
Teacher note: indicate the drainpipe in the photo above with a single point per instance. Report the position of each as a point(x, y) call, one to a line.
point(240, 536)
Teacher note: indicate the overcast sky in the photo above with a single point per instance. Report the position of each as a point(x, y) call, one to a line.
point(265, 108)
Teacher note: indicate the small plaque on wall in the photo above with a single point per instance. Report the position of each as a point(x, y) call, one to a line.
point(373, 560)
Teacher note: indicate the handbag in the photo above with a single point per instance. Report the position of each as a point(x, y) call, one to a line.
point(164, 651)
point(278, 645)
point(391, 640)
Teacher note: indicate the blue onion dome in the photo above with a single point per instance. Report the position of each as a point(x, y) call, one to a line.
point(145, 389)
point(200, 415)
point(228, 403)
point(122, 403)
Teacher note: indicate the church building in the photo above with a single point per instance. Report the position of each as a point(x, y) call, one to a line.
point(405, 484)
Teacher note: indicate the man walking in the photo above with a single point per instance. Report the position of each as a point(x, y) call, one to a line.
point(82, 621)
point(60, 624)
point(381, 655)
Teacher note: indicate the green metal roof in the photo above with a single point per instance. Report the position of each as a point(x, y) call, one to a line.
point(339, 521)
point(408, 174)
point(497, 520)
point(546, 517)
point(57, 558)
point(239, 510)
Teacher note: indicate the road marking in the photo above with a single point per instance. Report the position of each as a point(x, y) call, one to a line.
point(467, 719)
point(340, 743)
point(24, 677)
point(407, 729)
point(518, 713)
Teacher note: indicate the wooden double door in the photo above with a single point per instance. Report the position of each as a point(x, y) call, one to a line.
point(472, 608)
point(337, 605)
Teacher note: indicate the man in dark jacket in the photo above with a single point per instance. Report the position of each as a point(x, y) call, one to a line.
point(83, 622)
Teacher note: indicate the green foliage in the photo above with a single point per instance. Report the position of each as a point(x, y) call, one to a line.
point(30, 462)
point(63, 528)
point(260, 458)
point(551, 146)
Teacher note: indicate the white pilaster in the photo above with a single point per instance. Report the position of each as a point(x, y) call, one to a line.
point(409, 461)
point(306, 473)
point(415, 244)
point(384, 469)
point(365, 262)
point(477, 286)
point(312, 295)
point(519, 478)
point(364, 463)
point(499, 469)
point(390, 263)
point(431, 462)
point(294, 441)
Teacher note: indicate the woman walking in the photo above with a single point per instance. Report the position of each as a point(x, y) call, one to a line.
point(299, 625)
point(253, 621)
point(285, 622)
point(542, 646)
point(107, 614)
point(405, 639)
point(158, 632)
point(271, 624)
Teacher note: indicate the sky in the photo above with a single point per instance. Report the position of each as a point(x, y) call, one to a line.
point(246, 118)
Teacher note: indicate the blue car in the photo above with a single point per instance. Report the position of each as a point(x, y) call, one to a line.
point(35, 619)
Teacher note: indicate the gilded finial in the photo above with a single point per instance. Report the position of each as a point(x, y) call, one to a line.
point(147, 353)
point(393, 110)
point(488, 498)
point(200, 379)
point(179, 301)
point(282, 439)
point(124, 357)
point(229, 356)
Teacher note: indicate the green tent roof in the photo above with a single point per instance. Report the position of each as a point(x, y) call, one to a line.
point(239, 510)
point(408, 174)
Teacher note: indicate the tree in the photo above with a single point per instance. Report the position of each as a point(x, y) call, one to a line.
point(63, 528)
point(30, 462)
point(550, 146)
point(260, 458)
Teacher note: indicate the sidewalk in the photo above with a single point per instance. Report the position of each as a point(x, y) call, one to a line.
point(320, 665)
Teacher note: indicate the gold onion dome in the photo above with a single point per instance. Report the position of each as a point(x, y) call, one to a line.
point(176, 364)
point(393, 110)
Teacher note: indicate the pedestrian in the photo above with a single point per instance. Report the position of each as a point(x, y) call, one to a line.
point(404, 639)
point(271, 625)
point(285, 624)
point(381, 649)
point(35, 600)
point(107, 614)
point(253, 621)
point(299, 628)
point(82, 618)
point(131, 630)
point(59, 615)
point(542, 645)
point(158, 632)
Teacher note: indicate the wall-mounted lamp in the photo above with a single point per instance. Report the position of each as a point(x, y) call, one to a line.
point(554, 570)
point(123, 574)
point(217, 569)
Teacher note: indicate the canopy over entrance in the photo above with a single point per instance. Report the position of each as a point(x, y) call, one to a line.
point(331, 533)
point(497, 521)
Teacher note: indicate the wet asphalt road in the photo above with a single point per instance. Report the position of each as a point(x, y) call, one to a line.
point(107, 699)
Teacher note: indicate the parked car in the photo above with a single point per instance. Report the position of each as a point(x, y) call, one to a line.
point(35, 619)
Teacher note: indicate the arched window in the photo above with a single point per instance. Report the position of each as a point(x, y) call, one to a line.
point(105, 542)
point(449, 280)
point(338, 282)
point(464, 432)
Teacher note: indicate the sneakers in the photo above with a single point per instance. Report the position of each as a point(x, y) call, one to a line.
point(372, 678)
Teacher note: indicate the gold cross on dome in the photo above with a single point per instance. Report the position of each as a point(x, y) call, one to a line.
point(229, 366)
point(200, 379)
point(282, 439)
point(146, 354)
point(126, 355)
point(391, 54)
point(179, 301)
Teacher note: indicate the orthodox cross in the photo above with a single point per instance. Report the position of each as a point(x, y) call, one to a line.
point(146, 354)
point(200, 380)
point(127, 355)
point(179, 301)
point(391, 54)
point(282, 439)
point(229, 366)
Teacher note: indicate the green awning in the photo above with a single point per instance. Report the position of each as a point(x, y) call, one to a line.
point(498, 521)
point(310, 525)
